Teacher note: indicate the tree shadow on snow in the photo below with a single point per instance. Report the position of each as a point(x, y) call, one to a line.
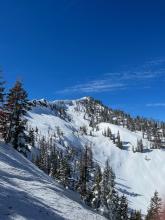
point(126, 192)
point(124, 189)
point(122, 185)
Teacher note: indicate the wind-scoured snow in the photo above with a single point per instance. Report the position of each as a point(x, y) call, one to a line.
point(26, 193)
point(138, 175)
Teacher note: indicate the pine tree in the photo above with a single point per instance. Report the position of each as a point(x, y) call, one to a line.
point(115, 204)
point(154, 211)
point(135, 215)
point(109, 133)
point(89, 158)
point(2, 112)
point(107, 188)
point(36, 129)
point(16, 106)
point(83, 129)
point(64, 170)
point(140, 146)
point(2, 92)
point(43, 160)
point(83, 173)
point(104, 133)
point(54, 163)
point(96, 190)
point(32, 137)
point(119, 143)
point(138, 215)
point(123, 209)
point(157, 142)
point(90, 133)
point(86, 164)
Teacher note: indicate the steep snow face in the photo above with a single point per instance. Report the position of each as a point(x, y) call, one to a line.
point(27, 193)
point(138, 175)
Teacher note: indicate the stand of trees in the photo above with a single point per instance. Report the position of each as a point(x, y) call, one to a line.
point(79, 172)
point(116, 139)
point(96, 113)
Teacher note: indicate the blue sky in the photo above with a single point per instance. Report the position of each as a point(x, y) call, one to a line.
point(113, 50)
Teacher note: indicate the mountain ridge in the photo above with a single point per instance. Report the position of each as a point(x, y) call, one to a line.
point(84, 121)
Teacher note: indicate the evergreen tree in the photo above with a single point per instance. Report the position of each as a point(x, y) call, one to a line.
point(54, 163)
point(32, 137)
point(123, 209)
point(86, 164)
point(90, 133)
point(64, 171)
point(83, 129)
point(138, 215)
point(83, 173)
point(115, 204)
point(154, 211)
point(2, 112)
point(36, 130)
point(96, 191)
point(135, 215)
point(43, 159)
point(139, 146)
point(157, 142)
point(89, 158)
point(107, 187)
point(119, 143)
point(113, 139)
point(2, 92)
point(104, 133)
point(109, 133)
point(16, 106)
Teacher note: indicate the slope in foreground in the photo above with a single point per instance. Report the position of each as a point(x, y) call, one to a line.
point(27, 193)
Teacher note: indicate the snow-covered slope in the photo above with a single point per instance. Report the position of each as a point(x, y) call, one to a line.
point(138, 174)
point(27, 193)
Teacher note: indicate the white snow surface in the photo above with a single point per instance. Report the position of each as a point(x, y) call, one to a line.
point(138, 175)
point(26, 193)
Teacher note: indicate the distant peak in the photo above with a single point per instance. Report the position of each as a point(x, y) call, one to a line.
point(85, 98)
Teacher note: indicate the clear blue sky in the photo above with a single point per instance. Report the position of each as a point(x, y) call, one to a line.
point(109, 49)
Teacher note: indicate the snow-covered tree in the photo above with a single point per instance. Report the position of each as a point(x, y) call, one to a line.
point(96, 189)
point(122, 211)
point(140, 146)
point(107, 188)
point(119, 142)
point(83, 130)
point(157, 142)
